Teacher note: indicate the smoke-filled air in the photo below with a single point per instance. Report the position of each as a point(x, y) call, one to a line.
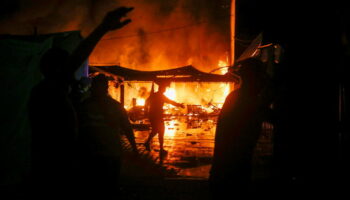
point(162, 35)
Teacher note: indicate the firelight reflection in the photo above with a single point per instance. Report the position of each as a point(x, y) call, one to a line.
point(189, 141)
point(189, 132)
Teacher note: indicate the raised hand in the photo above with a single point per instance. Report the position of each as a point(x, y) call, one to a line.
point(113, 19)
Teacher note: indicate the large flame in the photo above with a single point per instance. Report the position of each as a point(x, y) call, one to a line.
point(194, 93)
point(162, 34)
point(170, 93)
point(140, 102)
point(168, 34)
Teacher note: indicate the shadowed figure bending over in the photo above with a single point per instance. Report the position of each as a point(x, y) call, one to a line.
point(154, 107)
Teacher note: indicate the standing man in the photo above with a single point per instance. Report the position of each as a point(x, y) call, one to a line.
point(154, 106)
point(102, 122)
point(52, 116)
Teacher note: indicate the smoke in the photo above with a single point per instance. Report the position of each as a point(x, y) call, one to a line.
point(168, 34)
point(163, 34)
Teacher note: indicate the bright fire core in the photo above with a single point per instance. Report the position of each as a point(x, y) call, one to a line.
point(208, 95)
point(189, 131)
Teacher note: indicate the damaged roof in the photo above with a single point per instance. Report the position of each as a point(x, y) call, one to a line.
point(181, 74)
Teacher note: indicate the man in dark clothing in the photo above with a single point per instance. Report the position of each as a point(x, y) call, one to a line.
point(238, 130)
point(52, 116)
point(102, 120)
point(54, 128)
point(154, 106)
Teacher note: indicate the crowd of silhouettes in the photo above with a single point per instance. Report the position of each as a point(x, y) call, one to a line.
point(76, 132)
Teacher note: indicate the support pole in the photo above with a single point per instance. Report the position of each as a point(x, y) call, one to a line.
point(122, 93)
point(232, 32)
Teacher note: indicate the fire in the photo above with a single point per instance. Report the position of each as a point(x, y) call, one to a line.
point(185, 33)
point(225, 87)
point(206, 95)
point(223, 65)
point(170, 93)
point(182, 37)
point(140, 102)
point(170, 128)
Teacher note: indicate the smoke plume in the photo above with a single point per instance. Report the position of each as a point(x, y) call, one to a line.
point(163, 34)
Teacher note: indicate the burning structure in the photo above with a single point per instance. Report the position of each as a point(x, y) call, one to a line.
point(189, 132)
point(203, 93)
point(164, 34)
point(311, 146)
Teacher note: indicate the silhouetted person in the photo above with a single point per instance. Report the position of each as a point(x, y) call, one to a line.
point(80, 90)
point(54, 128)
point(102, 122)
point(52, 116)
point(154, 106)
point(238, 130)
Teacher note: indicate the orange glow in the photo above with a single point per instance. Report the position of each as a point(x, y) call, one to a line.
point(170, 93)
point(223, 65)
point(194, 93)
point(170, 129)
point(183, 36)
point(225, 87)
point(206, 46)
point(140, 102)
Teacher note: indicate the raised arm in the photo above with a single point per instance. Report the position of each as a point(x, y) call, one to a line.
point(112, 21)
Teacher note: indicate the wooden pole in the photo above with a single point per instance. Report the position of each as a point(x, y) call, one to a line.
point(122, 93)
point(232, 32)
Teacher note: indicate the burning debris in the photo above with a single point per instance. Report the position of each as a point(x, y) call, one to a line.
point(190, 86)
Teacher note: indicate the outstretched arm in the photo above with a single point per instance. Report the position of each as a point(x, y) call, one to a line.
point(112, 21)
point(174, 103)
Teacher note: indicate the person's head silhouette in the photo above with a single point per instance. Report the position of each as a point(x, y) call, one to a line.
point(163, 85)
point(53, 63)
point(252, 73)
point(99, 85)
